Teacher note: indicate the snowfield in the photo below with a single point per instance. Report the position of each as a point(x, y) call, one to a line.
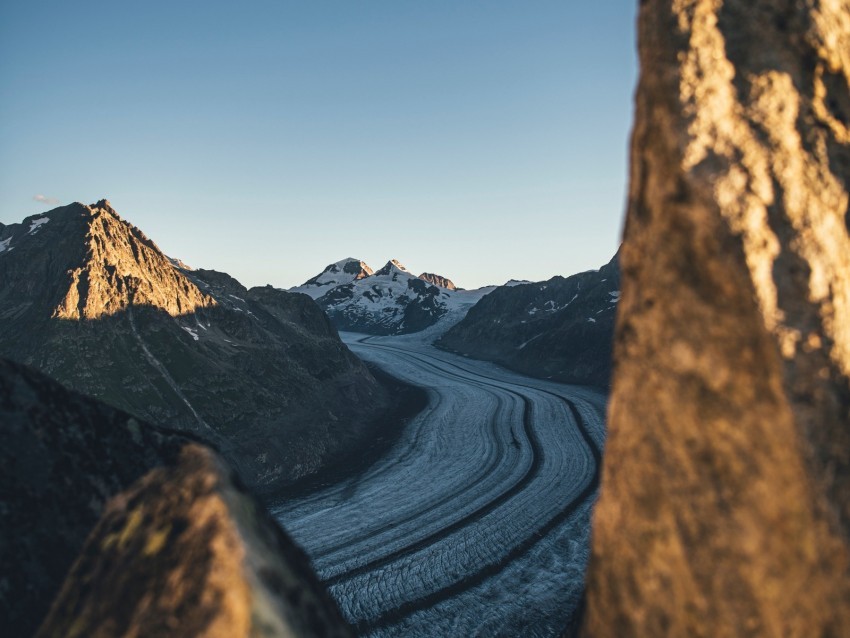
point(477, 520)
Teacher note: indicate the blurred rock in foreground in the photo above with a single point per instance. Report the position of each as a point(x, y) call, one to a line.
point(185, 552)
point(725, 499)
point(178, 515)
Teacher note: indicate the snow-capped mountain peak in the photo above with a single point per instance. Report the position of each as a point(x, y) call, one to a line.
point(393, 266)
point(338, 271)
point(391, 300)
point(336, 274)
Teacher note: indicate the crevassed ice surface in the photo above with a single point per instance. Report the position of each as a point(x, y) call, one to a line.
point(477, 520)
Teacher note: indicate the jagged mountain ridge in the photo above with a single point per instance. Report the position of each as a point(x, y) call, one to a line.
point(91, 301)
point(388, 301)
point(560, 329)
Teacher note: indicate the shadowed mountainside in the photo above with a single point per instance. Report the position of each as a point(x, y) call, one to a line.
point(561, 329)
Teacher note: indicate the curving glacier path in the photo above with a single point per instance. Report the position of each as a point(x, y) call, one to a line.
point(476, 522)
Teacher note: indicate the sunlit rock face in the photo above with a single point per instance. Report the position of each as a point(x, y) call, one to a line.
point(438, 280)
point(725, 499)
point(88, 299)
point(121, 267)
point(186, 552)
point(99, 265)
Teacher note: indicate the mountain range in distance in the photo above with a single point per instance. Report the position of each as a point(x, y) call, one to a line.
point(559, 329)
point(389, 301)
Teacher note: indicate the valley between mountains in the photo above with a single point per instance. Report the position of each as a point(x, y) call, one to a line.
point(435, 491)
point(478, 513)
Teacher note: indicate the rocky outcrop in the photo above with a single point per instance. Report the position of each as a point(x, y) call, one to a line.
point(87, 299)
point(186, 552)
point(725, 496)
point(560, 329)
point(176, 528)
point(438, 280)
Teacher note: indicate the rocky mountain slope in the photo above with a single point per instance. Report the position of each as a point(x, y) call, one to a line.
point(181, 549)
point(725, 500)
point(387, 302)
point(560, 329)
point(91, 301)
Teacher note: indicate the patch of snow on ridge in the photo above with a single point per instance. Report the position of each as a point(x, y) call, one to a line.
point(4, 245)
point(550, 306)
point(615, 295)
point(36, 224)
point(521, 346)
point(178, 263)
point(191, 332)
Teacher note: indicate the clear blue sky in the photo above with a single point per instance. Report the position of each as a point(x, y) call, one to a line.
point(482, 140)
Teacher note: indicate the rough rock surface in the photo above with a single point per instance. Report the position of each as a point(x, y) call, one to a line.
point(87, 299)
point(186, 552)
point(725, 497)
point(560, 329)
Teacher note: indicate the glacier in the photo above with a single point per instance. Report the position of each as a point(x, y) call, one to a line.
point(476, 522)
